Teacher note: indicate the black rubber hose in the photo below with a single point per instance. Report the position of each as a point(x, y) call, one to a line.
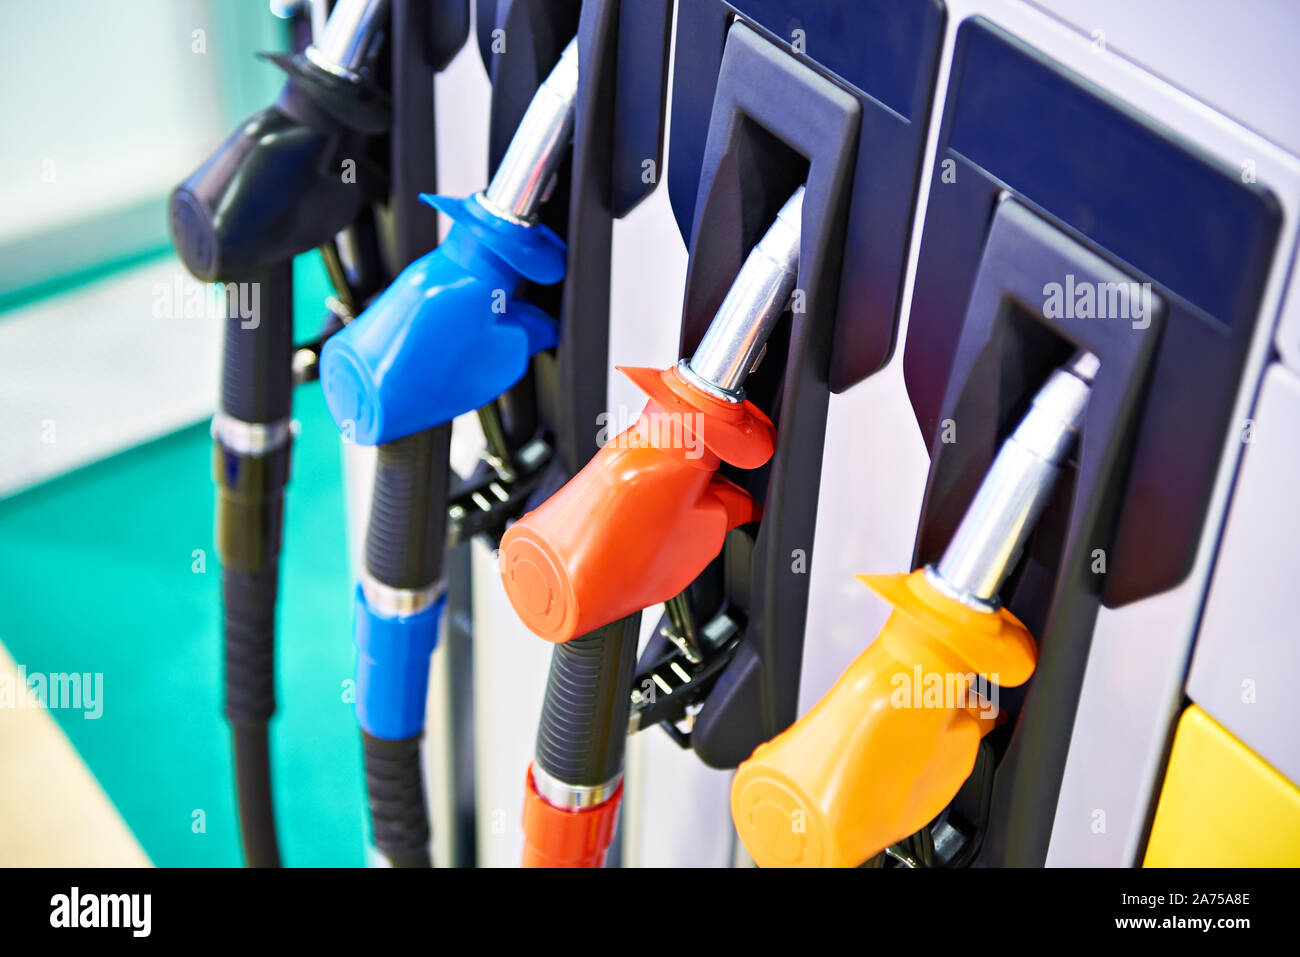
point(395, 786)
point(257, 359)
point(408, 519)
point(256, 388)
point(249, 599)
point(250, 702)
point(583, 731)
point(404, 549)
point(251, 745)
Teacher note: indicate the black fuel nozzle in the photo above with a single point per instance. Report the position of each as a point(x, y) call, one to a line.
point(288, 180)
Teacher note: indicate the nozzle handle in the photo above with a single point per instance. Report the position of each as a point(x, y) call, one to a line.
point(888, 747)
point(642, 519)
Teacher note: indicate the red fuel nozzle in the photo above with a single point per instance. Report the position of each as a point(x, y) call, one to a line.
point(643, 518)
point(647, 514)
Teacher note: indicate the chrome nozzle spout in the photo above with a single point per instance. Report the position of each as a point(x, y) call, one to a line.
point(739, 331)
point(348, 38)
point(537, 148)
point(1000, 518)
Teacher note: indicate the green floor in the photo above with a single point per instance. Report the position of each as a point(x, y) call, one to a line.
point(98, 572)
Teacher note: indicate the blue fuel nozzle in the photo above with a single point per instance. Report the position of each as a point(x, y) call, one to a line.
point(449, 335)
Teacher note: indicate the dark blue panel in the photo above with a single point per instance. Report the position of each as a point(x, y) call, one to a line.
point(1188, 223)
point(886, 53)
point(639, 99)
point(701, 36)
point(872, 44)
point(1141, 197)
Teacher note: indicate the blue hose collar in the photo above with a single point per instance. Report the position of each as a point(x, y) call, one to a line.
point(393, 669)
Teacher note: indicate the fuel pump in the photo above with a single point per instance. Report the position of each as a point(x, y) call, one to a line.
point(635, 527)
point(270, 192)
point(447, 337)
point(887, 748)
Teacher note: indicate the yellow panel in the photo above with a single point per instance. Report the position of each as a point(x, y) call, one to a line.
point(1222, 806)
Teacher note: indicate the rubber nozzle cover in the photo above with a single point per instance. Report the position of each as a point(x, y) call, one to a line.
point(891, 743)
point(563, 837)
point(449, 335)
point(643, 518)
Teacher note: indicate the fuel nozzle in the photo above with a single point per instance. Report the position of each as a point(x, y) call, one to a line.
point(277, 186)
point(274, 189)
point(449, 335)
point(645, 516)
point(888, 747)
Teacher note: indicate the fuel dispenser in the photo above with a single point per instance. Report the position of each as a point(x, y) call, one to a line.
point(752, 120)
point(1009, 249)
point(1174, 309)
point(272, 191)
point(463, 317)
point(1065, 325)
point(868, 767)
point(757, 110)
point(1024, 262)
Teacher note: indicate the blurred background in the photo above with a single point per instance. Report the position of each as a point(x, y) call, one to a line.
point(108, 373)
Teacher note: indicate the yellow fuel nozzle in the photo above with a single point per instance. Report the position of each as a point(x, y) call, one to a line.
point(889, 746)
